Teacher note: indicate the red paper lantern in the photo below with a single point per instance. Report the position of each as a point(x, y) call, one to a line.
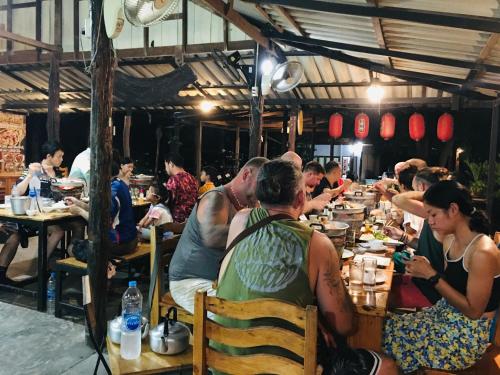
point(361, 126)
point(335, 125)
point(417, 127)
point(445, 127)
point(387, 126)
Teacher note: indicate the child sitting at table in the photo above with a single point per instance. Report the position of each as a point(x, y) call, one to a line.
point(158, 212)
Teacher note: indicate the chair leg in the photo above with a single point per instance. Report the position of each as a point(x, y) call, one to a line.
point(58, 296)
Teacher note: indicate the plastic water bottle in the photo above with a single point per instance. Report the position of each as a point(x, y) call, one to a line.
point(33, 202)
point(51, 293)
point(130, 344)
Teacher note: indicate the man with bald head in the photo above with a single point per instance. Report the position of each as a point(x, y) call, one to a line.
point(293, 157)
point(319, 202)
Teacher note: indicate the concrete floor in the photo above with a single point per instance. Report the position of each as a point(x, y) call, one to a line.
point(38, 343)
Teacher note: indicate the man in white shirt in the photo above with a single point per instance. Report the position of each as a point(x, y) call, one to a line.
point(81, 168)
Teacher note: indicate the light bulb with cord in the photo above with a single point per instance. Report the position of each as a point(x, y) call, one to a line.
point(375, 91)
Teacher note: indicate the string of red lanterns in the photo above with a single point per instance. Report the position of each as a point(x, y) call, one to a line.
point(416, 126)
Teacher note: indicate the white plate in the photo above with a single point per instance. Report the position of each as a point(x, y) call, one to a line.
point(347, 254)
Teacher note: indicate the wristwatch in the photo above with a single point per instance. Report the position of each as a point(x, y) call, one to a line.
point(433, 280)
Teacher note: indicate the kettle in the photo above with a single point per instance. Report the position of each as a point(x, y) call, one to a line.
point(169, 337)
point(115, 331)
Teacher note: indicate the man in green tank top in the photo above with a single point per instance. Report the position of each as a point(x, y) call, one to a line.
point(289, 261)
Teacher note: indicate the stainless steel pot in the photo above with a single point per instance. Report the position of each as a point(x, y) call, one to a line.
point(115, 329)
point(170, 337)
point(362, 197)
point(352, 214)
point(336, 232)
point(19, 205)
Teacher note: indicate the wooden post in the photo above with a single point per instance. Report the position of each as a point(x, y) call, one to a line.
point(256, 105)
point(256, 110)
point(199, 145)
point(492, 159)
point(127, 124)
point(102, 76)
point(292, 131)
point(184, 25)
point(264, 152)
point(331, 149)
point(237, 150)
point(53, 115)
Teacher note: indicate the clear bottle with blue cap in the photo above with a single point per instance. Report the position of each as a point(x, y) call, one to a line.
point(130, 343)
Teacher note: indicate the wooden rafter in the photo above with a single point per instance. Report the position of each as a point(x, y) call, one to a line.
point(28, 41)
point(379, 31)
point(227, 12)
point(268, 18)
point(288, 17)
point(483, 55)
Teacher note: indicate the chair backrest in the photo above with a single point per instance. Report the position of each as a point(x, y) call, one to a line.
point(165, 249)
point(496, 238)
point(303, 345)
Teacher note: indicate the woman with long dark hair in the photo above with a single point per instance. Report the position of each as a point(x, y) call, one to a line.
point(454, 333)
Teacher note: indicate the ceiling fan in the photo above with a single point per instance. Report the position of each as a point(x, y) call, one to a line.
point(142, 13)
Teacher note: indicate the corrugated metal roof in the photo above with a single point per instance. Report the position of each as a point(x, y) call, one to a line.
point(323, 78)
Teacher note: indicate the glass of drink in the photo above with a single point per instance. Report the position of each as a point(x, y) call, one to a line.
point(356, 276)
point(369, 273)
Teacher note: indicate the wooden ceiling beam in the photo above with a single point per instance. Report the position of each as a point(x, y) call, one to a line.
point(268, 18)
point(384, 52)
point(28, 41)
point(227, 12)
point(483, 55)
point(288, 17)
point(461, 21)
point(379, 31)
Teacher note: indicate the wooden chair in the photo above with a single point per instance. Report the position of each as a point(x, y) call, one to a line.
point(496, 238)
point(303, 345)
point(161, 301)
point(489, 364)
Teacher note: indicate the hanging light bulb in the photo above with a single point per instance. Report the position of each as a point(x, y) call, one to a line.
point(267, 66)
point(375, 91)
point(206, 106)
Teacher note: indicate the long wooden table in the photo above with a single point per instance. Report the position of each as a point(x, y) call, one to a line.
point(371, 322)
point(40, 222)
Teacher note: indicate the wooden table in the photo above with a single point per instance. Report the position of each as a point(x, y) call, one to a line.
point(371, 323)
point(40, 223)
point(149, 362)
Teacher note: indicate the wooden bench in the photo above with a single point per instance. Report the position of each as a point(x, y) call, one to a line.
point(76, 267)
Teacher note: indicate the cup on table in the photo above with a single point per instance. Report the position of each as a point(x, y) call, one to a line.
point(356, 276)
point(369, 273)
point(313, 218)
point(7, 202)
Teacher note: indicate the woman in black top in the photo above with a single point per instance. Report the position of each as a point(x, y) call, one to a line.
point(454, 333)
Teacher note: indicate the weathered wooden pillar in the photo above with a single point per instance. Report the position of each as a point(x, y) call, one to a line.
point(102, 76)
point(53, 115)
point(127, 124)
point(256, 104)
point(492, 159)
point(237, 150)
point(199, 146)
point(292, 130)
